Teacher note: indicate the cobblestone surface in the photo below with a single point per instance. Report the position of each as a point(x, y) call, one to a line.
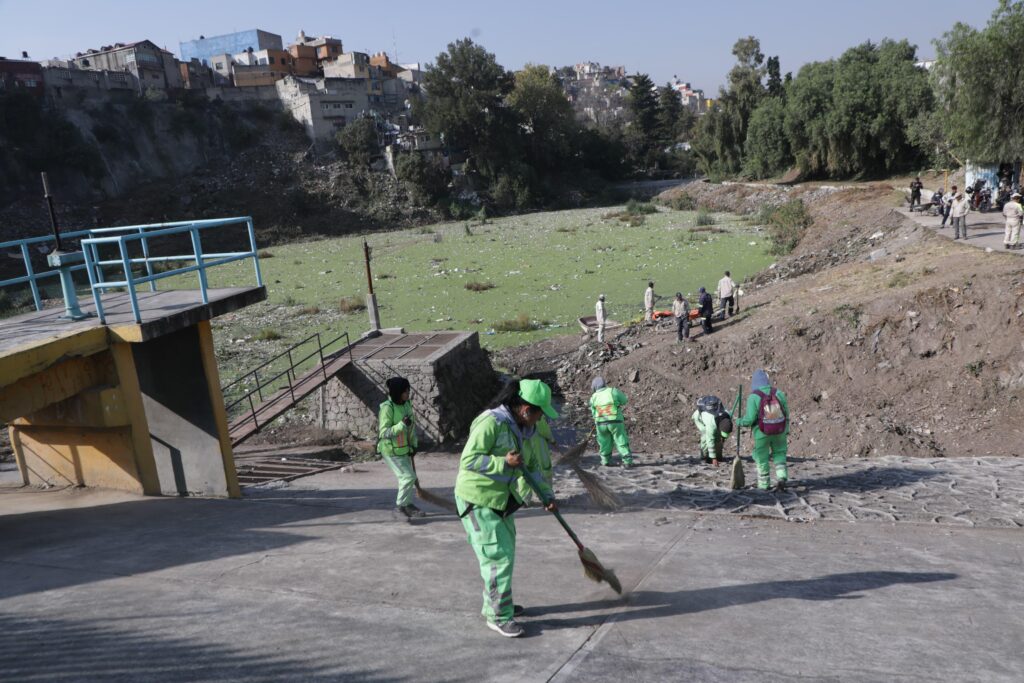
point(967, 492)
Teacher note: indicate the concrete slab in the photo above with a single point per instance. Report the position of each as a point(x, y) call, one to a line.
point(316, 581)
point(984, 230)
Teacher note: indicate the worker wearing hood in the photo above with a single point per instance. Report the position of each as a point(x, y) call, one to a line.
point(606, 404)
point(397, 442)
point(503, 441)
point(774, 417)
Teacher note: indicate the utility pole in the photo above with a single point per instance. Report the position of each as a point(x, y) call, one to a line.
point(371, 298)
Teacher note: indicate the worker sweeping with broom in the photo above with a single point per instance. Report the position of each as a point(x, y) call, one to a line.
point(397, 443)
point(502, 443)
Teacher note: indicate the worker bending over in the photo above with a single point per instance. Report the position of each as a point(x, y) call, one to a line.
point(714, 423)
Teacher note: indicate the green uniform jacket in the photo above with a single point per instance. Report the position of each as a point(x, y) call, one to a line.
point(485, 478)
point(606, 405)
point(754, 407)
point(393, 437)
point(707, 424)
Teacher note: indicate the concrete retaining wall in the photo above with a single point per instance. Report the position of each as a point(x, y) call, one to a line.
point(448, 391)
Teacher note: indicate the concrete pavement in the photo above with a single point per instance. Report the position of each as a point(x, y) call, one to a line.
point(316, 581)
point(984, 230)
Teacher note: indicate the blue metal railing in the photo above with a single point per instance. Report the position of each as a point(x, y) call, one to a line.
point(142, 234)
point(31, 276)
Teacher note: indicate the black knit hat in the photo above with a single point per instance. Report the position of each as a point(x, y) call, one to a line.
point(396, 387)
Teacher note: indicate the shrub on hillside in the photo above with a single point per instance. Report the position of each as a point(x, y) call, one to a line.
point(786, 225)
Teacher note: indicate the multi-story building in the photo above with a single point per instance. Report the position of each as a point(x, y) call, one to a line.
point(387, 68)
point(195, 75)
point(21, 75)
point(263, 67)
point(327, 48)
point(690, 97)
point(357, 65)
point(304, 60)
point(152, 66)
point(323, 105)
point(204, 49)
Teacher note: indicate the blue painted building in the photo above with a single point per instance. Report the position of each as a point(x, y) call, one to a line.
point(204, 48)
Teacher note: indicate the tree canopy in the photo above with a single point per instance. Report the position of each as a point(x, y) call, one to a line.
point(978, 80)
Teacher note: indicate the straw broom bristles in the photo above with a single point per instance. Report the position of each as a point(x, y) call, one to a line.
point(599, 492)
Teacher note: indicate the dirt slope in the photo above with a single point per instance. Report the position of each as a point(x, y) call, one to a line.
point(918, 351)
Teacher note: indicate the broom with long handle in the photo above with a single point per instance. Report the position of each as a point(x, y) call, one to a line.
point(592, 567)
point(737, 480)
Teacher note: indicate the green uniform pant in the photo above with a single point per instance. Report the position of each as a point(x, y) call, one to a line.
point(401, 465)
point(716, 452)
point(493, 539)
point(773, 447)
point(609, 433)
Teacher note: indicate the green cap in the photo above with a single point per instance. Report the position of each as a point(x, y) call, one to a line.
point(536, 393)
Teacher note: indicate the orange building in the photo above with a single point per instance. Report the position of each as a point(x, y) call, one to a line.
point(304, 62)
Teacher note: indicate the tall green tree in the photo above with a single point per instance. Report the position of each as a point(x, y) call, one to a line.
point(767, 147)
point(979, 79)
point(466, 104)
point(774, 83)
point(641, 136)
point(670, 115)
point(548, 122)
point(722, 132)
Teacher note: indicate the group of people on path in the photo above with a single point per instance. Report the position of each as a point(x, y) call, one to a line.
point(681, 311)
point(507, 457)
point(955, 207)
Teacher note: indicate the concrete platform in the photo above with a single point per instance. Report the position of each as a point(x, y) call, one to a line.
point(316, 581)
point(161, 312)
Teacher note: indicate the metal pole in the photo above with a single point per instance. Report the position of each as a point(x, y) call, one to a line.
point(49, 207)
point(369, 276)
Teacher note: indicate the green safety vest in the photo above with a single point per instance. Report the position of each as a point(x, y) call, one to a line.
point(606, 405)
point(484, 477)
point(393, 436)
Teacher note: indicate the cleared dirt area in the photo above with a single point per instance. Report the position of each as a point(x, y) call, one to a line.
point(888, 339)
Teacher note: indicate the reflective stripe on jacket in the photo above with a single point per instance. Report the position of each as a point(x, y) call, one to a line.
point(393, 436)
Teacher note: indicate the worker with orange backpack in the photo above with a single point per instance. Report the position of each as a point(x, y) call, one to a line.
point(768, 417)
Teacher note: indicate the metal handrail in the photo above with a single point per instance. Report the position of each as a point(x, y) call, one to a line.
point(100, 237)
point(291, 372)
point(31, 276)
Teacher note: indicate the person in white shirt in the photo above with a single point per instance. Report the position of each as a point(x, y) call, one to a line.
point(649, 303)
point(947, 203)
point(726, 295)
point(599, 312)
point(681, 311)
point(958, 212)
point(1013, 212)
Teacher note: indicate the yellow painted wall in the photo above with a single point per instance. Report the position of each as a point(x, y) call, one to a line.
point(70, 456)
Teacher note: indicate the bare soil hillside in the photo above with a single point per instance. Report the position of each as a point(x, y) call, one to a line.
point(899, 343)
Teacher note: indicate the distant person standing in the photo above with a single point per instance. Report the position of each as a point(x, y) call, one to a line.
point(915, 192)
point(681, 311)
point(958, 211)
point(707, 309)
point(1013, 212)
point(649, 303)
point(726, 297)
point(599, 313)
point(947, 204)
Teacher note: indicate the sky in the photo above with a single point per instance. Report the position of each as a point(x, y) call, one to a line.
point(691, 40)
